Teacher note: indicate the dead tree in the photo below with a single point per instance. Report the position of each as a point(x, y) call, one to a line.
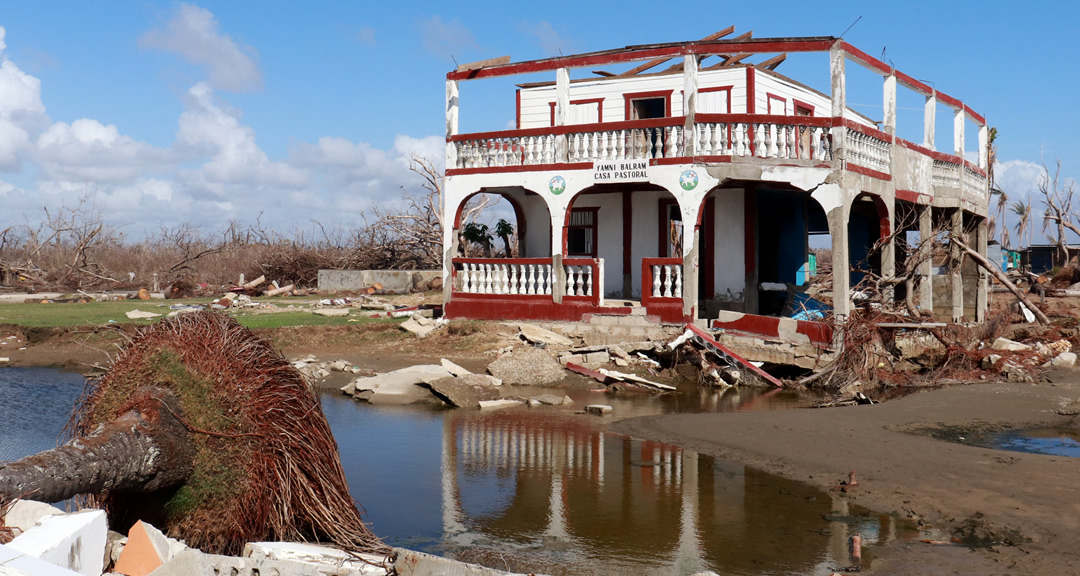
point(1057, 198)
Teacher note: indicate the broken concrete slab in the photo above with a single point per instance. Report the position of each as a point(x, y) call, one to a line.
point(319, 556)
point(598, 409)
point(140, 315)
point(1009, 345)
point(73, 541)
point(421, 325)
point(411, 563)
point(500, 403)
point(464, 392)
point(399, 386)
point(527, 366)
point(193, 562)
point(597, 357)
point(23, 515)
point(332, 312)
point(550, 399)
point(454, 368)
point(989, 361)
point(538, 335)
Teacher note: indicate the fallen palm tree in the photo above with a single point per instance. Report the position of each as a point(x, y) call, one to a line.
point(204, 430)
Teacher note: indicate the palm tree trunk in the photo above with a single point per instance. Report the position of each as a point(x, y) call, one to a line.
point(147, 448)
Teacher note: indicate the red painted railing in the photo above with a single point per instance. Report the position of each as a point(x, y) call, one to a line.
point(661, 280)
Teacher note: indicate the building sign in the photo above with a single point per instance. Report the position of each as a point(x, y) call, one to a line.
point(621, 171)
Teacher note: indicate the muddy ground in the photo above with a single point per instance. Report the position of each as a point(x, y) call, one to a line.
point(1019, 512)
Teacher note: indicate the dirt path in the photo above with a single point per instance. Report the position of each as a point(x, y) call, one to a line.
point(1030, 500)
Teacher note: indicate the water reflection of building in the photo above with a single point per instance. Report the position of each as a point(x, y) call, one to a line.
point(527, 477)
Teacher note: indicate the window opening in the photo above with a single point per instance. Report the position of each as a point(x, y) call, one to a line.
point(581, 234)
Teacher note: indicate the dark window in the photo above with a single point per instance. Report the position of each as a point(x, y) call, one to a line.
point(645, 108)
point(581, 233)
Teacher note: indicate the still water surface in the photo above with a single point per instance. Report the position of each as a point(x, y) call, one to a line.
point(542, 489)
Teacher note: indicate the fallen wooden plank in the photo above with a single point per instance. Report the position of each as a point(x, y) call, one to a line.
point(635, 379)
point(911, 325)
point(706, 339)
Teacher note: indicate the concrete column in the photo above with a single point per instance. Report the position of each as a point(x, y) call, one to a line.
point(690, 275)
point(838, 83)
point(562, 108)
point(958, 132)
point(984, 148)
point(841, 263)
point(888, 252)
point(926, 269)
point(557, 270)
point(982, 294)
point(889, 104)
point(451, 122)
point(929, 120)
point(956, 281)
point(690, 94)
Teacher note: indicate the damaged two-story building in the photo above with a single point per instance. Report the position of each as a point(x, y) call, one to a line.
point(692, 183)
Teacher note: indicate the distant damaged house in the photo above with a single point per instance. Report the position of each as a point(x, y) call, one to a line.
point(693, 182)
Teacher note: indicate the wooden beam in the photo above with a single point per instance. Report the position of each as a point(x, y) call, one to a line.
point(658, 61)
point(501, 60)
point(773, 62)
point(603, 73)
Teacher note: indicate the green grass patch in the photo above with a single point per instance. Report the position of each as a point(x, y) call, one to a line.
point(74, 315)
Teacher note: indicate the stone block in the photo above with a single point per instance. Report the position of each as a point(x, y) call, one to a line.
point(25, 514)
point(73, 541)
point(572, 358)
point(326, 557)
point(1009, 345)
point(410, 563)
point(497, 404)
point(1064, 360)
point(15, 563)
point(598, 409)
point(597, 358)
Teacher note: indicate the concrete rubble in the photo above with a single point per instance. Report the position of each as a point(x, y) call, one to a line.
point(527, 366)
point(421, 325)
point(73, 541)
point(464, 392)
point(397, 387)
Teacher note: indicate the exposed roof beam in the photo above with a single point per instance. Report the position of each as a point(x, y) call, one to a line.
point(484, 63)
point(772, 63)
point(658, 61)
point(603, 73)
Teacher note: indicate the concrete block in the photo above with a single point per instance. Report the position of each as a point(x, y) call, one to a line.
point(25, 514)
point(146, 549)
point(454, 368)
point(501, 403)
point(73, 541)
point(320, 557)
point(1064, 360)
point(1010, 345)
point(540, 335)
point(598, 409)
point(410, 563)
point(15, 563)
point(572, 358)
point(597, 358)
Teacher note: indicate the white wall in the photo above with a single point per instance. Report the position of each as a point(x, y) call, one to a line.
point(609, 245)
point(538, 229)
point(729, 242)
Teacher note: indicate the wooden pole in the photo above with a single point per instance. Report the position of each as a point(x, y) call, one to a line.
point(981, 261)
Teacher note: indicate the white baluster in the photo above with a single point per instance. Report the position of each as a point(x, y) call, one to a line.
point(759, 141)
point(487, 278)
point(588, 280)
point(620, 145)
point(655, 281)
point(648, 142)
point(530, 283)
point(549, 282)
point(464, 278)
point(569, 280)
point(678, 281)
point(740, 138)
point(667, 281)
point(579, 280)
point(504, 278)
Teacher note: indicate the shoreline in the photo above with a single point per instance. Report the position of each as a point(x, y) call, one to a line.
point(990, 495)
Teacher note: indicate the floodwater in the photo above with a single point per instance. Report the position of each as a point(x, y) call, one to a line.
point(545, 490)
point(1052, 441)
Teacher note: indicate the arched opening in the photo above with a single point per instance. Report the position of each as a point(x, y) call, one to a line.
point(868, 224)
point(503, 223)
point(622, 224)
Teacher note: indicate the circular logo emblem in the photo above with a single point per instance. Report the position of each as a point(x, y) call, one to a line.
point(558, 184)
point(688, 180)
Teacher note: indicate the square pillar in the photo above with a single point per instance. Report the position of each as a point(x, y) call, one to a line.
point(451, 122)
point(690, 94)
point(889, 104)
point(926, 266)
point(982, 294)
point(838, 84)
point(929, 120)
point(888, 253)
point(841, 263)
point(956, 258)
point(562, 109)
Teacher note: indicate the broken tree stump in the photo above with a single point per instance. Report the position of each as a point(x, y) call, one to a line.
point(252, 456)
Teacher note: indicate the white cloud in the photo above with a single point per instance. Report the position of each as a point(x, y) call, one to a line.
point(447, 40)
point(21, 110)
point(236, 158)
point(550, 41)
point(89, 150)
point(193, 33)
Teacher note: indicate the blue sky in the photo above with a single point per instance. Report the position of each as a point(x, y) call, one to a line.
point(217, 111)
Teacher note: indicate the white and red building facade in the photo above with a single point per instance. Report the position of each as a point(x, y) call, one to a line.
point(695, 190)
